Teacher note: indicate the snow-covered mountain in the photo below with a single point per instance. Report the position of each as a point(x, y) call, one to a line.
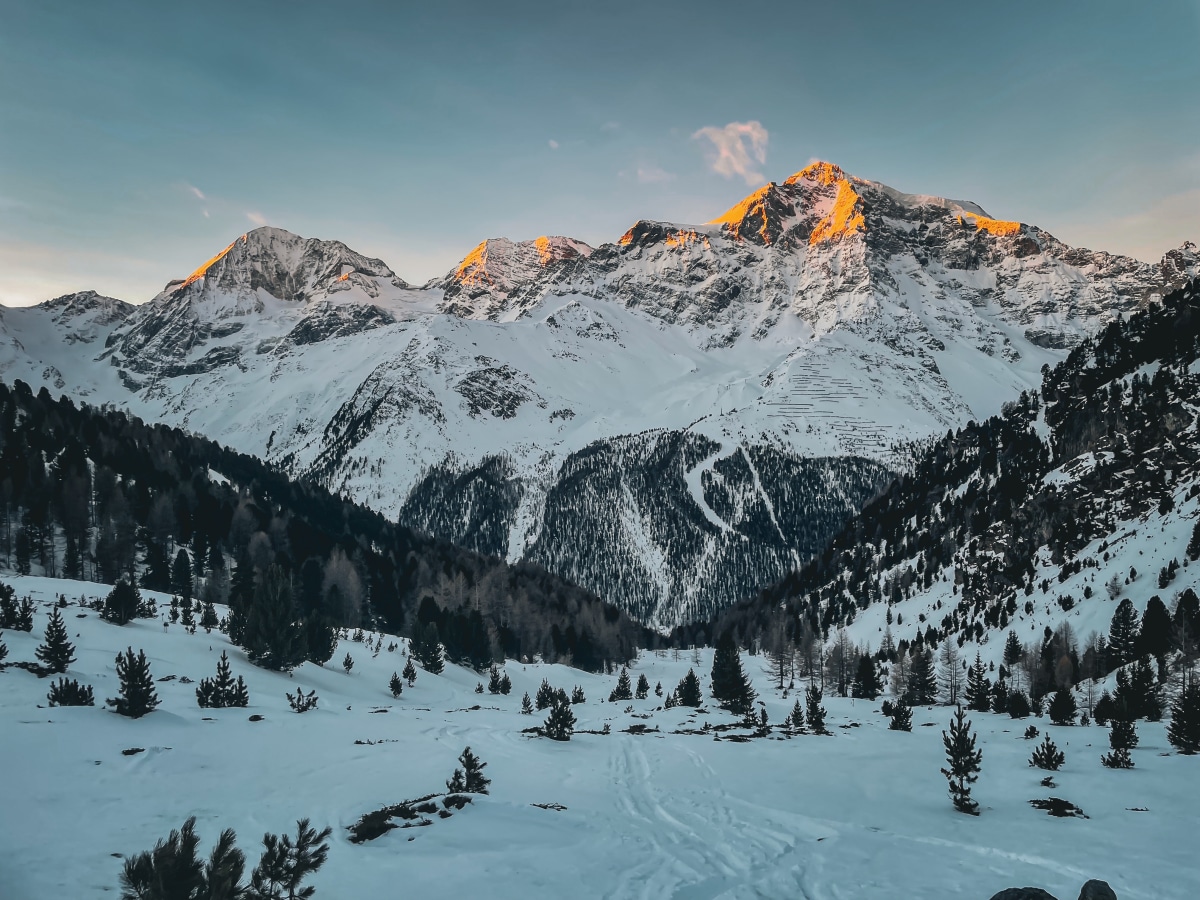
point(671, 420)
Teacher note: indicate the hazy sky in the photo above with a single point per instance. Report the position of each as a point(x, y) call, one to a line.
point(138, 138)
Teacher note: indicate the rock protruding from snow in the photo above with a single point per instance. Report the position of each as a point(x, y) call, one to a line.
point(1025, 893)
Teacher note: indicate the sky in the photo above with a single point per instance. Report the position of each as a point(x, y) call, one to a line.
point(139, 138)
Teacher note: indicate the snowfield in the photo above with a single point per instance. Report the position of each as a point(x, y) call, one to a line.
point(859, 814)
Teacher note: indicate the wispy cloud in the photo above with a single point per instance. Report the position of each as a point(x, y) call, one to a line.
point(553, 144)
point(737, 149)
point(199, 194)
point(653, 175)
point(256, 217)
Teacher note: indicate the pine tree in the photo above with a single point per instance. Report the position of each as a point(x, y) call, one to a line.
point(643, 687)
point(730, 686)
point(622, 691)
point(814, 710)
point(284, 864)
point(658, 689)
point(301, 702)
point(979, 689)
point(3, 647)
point(1193, 547)
point(505, 684)
point(1155, 635)
point(181, 576)
point(866, 679)
point(70, 692)
point(1122, 738)
point(494, 681)
point(348, 663)
point(170, 871)
point(901, 719)
point(560, 724)
point(1123, 633)
point(273, 638)
point(470, 778)
point(688, 693)
point(544, 696)
point(1062, 707)
point(577, 696)
point(962, 761)
point(1013, 651)
point(57, 652)
point(137, 696)
point(188, 620)
point(320, 638)
point(410, 672)
point(222, 692)
point(1184, 729)
point(122, 603)
point(208, 618)
point(795, 719)
point(526, 705)
point(1047, 756)
point(922, 687)
point(396, 686)
point(433, 658)
point(1018, 705)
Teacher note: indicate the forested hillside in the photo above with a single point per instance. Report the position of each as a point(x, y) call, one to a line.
point(99, 495)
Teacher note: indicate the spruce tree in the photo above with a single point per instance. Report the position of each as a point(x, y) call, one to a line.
point(1013, 651)
point(901, 719)
point(57, 652)
point(814, 710)
point(348, 663)
point(122, 603)
point(643, 688)
point(922, 687)
point(1123, 633)
point(688, 693)
point(320, 638)
point(526, 705)
point(3, 647)
point(222, 692)
point(1046, 755)
point(494, 680)
point(544, 696)
point(433, 658)
point(273, 638)
point(137, 695)
point(979, 690)
point(69, 692)
point(396, 686)
point(1062, 707)
point(560, 724)
point(285, 864)
point(795, 719)
point(505, 684)
point(470, 778)
point(866, 684)
point(730, 686)
point(181, 576)
point(577, 696)
point(208, 618)
point(301, 702)
point(1184, 729)
point(1018, 705)
point(962, 762)
point(1121, 738)
point(623, 691)
point(410, 672)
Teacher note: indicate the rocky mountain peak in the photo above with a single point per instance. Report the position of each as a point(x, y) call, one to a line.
point(493, 278)
point(101, 310)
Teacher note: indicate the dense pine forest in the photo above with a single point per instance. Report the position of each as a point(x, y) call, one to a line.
point(1110, 437)
point(98, 495)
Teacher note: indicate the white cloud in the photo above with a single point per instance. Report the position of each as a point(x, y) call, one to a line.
point(257, 218)
point(196, 191)
point(553, 144)
point(653, 175)
point(737, 149)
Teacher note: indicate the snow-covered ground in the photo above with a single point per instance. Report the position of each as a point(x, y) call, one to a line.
point(863, 813)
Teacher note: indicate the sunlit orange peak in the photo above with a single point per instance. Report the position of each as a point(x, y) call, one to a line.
point(843, 219)
point(683, 237)
point(820, 172)
point(200, 272)
point(992, 226)
point(473, 269)
point(345, 276)
point(753, 207)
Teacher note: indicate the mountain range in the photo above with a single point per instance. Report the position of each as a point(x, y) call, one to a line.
point(671, 420)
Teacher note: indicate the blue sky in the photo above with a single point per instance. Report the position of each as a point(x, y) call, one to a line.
point(138, 138)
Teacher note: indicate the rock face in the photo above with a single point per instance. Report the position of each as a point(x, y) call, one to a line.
point(1025, 893)
point(1097, 890)
point(673, 419)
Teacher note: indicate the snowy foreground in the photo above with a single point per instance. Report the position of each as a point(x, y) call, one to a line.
point(862, 813)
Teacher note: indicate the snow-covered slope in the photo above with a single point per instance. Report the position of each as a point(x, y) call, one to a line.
point(668, 814)
point(824, 317)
